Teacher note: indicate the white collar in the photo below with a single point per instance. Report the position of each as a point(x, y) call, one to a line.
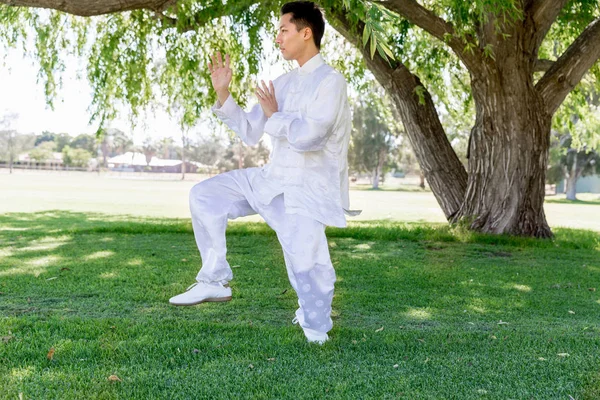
point(311, 64)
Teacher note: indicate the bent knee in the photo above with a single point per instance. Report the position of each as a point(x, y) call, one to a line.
point(200, 195)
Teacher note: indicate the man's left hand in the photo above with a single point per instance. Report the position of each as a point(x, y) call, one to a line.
point(266, 98)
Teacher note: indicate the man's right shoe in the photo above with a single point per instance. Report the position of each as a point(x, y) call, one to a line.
point(201, 292)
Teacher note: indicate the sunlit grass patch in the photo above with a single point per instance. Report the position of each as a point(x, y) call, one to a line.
point(99, 254)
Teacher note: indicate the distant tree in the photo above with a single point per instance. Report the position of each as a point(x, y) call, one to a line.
point(113, 142)
point(120, 142)
point(570, 164)
point(76, 157)
point(149, 148)
point(207, 151)
point(575, 141)
point(60, 139)
point(43, 152)
point(237, 154)
point(373, 136)
point(11, 142)
point(84, 141)
point(167, 148)
point(404, 158)
point(44, 137)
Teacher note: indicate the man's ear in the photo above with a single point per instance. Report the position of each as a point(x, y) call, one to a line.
point(307, 33)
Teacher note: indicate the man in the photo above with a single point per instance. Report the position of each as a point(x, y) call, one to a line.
point(302, 189)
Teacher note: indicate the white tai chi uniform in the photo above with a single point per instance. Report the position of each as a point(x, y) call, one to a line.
point(302, 189)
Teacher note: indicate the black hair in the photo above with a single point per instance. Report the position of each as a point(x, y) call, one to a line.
point(306, 14)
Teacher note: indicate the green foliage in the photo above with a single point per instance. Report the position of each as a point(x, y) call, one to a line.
point(84, 141)
point(566, 158)
point(75, 157)
point(374, 133)
point(13, 143)
point(138, 59)
point(43, 152)
point(579, 115)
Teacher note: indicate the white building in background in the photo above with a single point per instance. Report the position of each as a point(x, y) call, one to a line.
point(136, 162)
point(55, 161)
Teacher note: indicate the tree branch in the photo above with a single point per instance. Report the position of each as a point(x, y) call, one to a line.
point(92, 8)
point(543, 65)
point(568, 70)
point(542, 13)
point(438, 27)
point(217, 10)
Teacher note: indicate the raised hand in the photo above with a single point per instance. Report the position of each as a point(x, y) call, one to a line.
point(220, 75)
point(266, 98)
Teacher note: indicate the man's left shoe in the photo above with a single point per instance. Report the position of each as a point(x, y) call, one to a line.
point(311, 335)
point(201, 292)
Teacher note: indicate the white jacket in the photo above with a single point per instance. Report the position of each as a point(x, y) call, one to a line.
point(310, 135)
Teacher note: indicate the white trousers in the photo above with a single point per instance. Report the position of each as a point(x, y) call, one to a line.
point(231, 195)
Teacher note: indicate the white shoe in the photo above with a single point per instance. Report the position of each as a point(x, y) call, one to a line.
point(311, 335)
point(201, 292)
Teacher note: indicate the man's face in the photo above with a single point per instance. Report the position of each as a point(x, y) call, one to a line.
point(291, 41)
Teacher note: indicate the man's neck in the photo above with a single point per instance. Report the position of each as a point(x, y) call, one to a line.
point(307, 56)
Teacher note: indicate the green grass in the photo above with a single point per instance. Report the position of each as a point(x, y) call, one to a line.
point(594, 202)
point(385, 188)
point(464, 316)
point(157, 195)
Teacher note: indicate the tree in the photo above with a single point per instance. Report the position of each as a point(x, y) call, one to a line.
point(113, 142)
point(500, 44)
point(120, 142)
point(76, 157)
point(12, 143)
point(60, 139)
point(43, 152)
point(570, 163)
point(84, 141)
point(167, 148)
point(248, 157)
point(575, 142)
point(504, 45)
point(208, 150)
point(373, 137)
point(149, 148)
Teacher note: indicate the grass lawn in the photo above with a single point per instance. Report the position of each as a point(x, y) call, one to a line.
point(420, 312)
point(149, 195)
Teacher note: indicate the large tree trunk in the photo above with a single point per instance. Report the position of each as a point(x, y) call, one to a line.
point(507, 155)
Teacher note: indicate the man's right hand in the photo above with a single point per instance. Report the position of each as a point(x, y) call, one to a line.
point(220, 75)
